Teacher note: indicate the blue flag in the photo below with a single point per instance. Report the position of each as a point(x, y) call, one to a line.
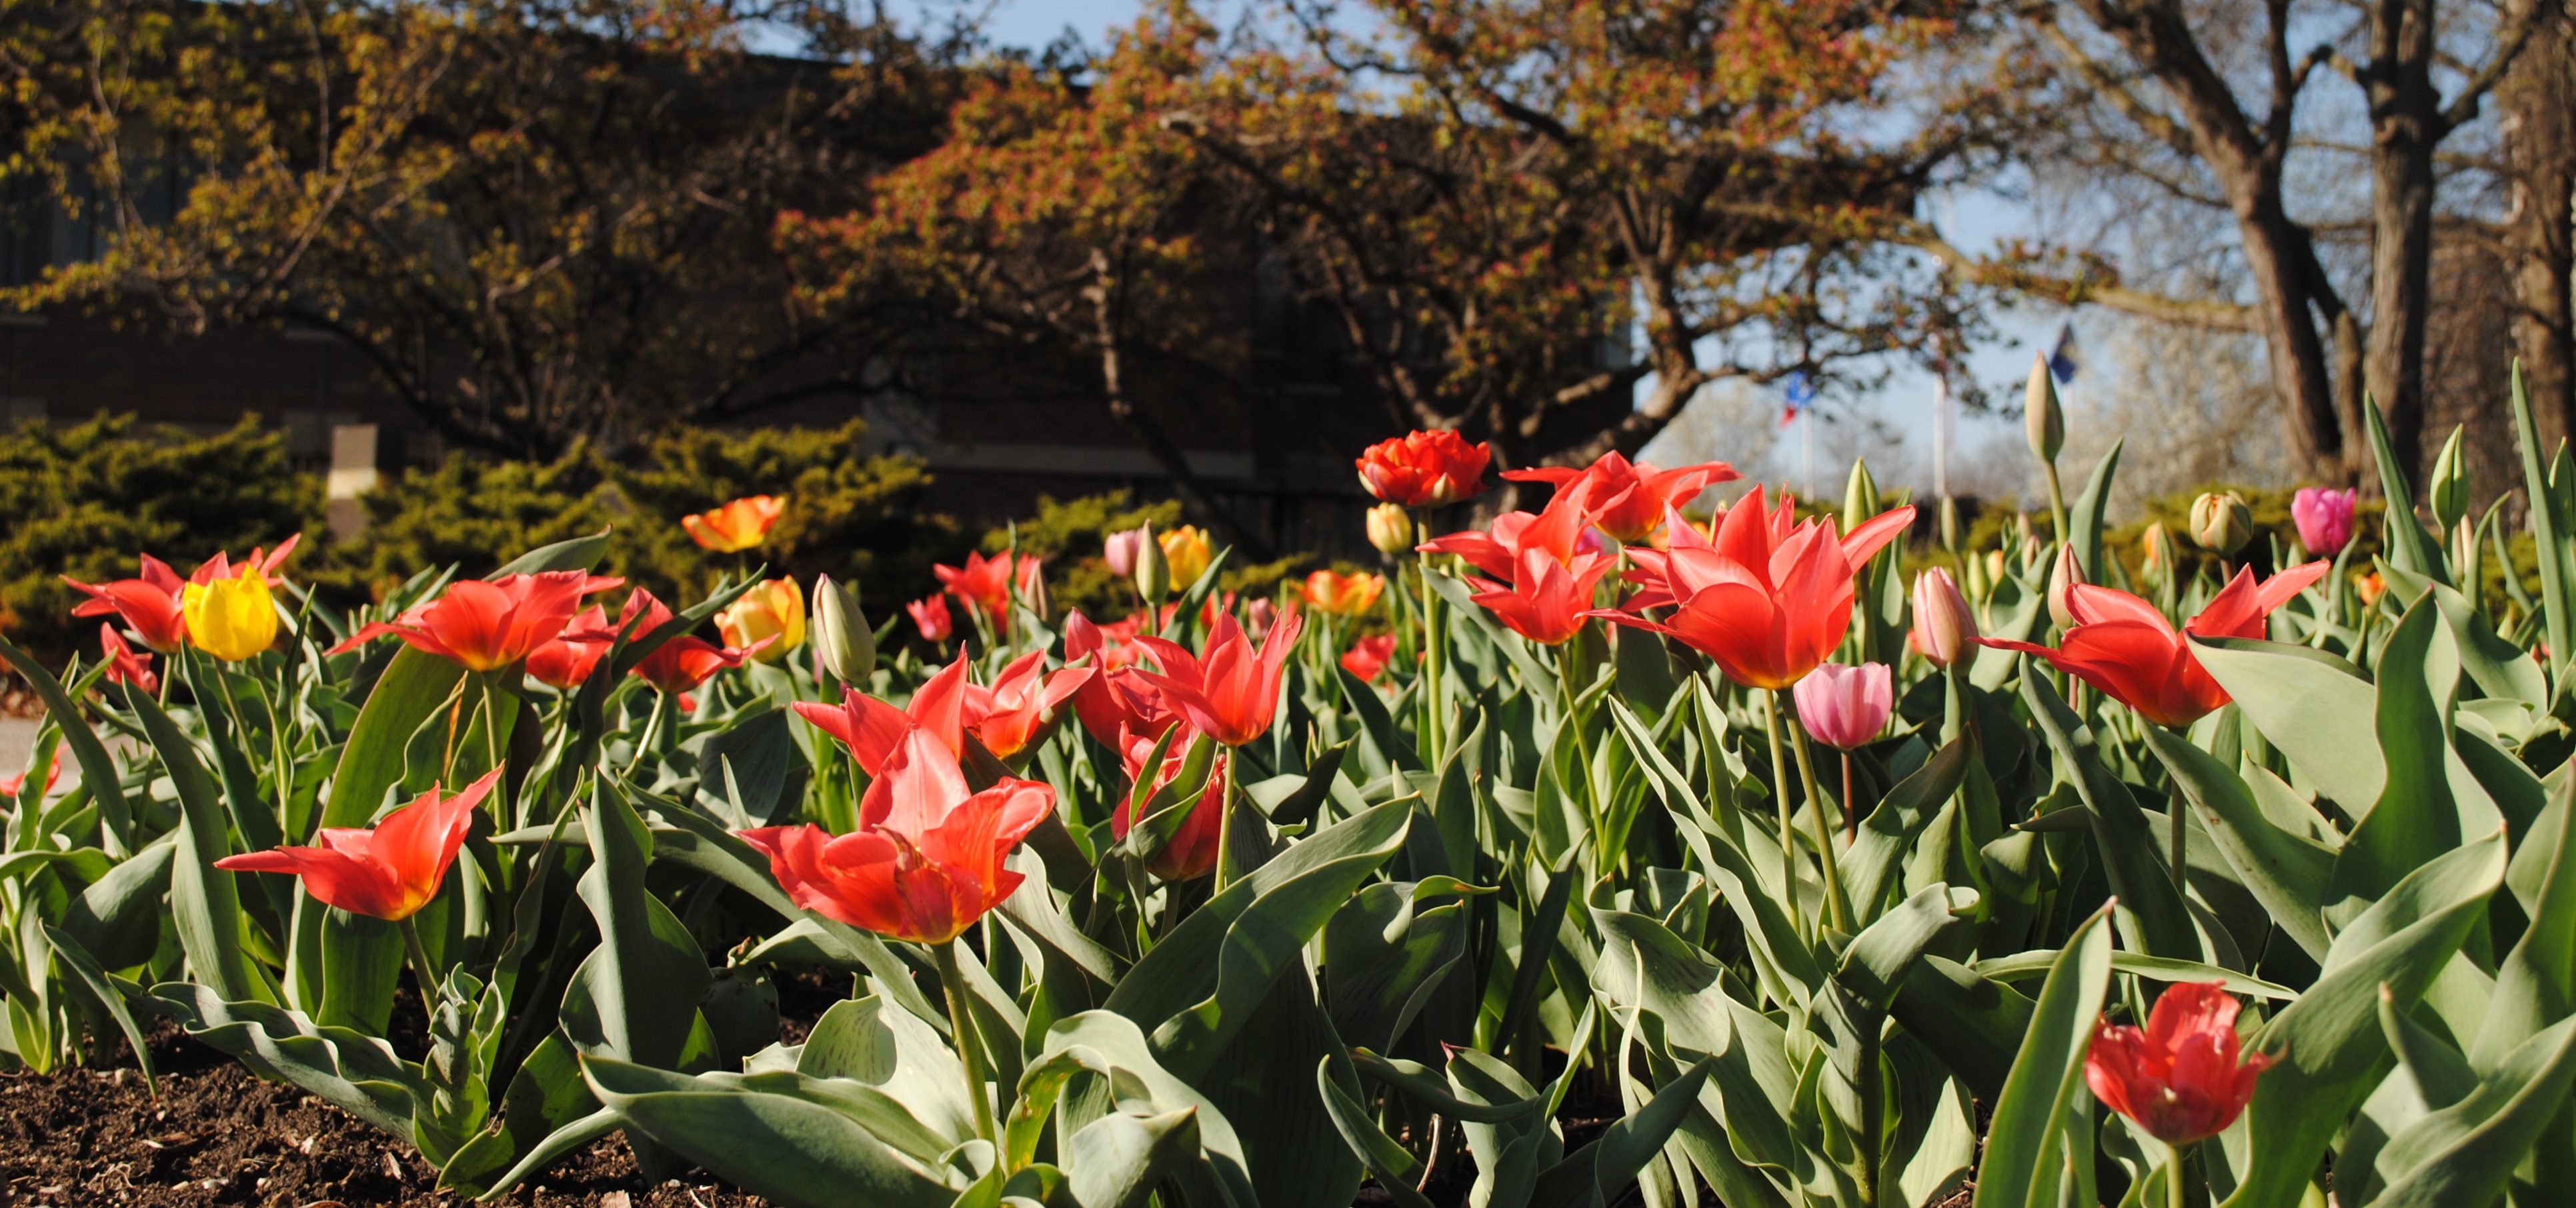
point(2063, 360)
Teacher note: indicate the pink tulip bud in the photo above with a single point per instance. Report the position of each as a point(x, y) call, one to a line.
point(1845, 707)
point(2064, 578)
point(1944, 628)
point(2325, 518)
point(1119, 550)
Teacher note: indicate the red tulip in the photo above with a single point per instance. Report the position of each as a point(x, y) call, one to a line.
point(1191, 853)
point(2179, 1078)
point(12, 785)
point(2123, 646)
point(1368, 656)
point(926, 861)
point(1023, 705)
point(1119, 698)
point(484, 626)
point(873, 729)
point(983, 584)
point(1226, 690)
point(388, 872)
point(566, 662)
point(1768, 598)
point(1546, 602)
point(685, 661)
point(152, 604)
point(1562, 532)
point(930, 616)
point(123, 665)
point(1628, 501)
point(1424, 469)
point(1846, 707)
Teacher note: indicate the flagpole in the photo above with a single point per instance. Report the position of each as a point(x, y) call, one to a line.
point(1808, 437)
point(1941, 436)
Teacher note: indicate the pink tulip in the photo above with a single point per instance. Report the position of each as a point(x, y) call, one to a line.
point(1944, 625)
point(1846, 707)
point(1119, 550)
point(2325, 518)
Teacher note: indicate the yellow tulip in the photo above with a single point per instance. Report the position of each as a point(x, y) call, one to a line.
point(774, 608)
point(231, 619)
point(1185, 551)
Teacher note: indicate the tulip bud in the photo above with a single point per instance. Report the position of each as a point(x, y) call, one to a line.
point(2221, 522)
point(1153, 575)
point(2064, 577)
point(1258, 617)
point(1973, 569)
point(1994, 569)
point(1950, 524)
point(843, 643)
point(2449, 493)
point(2042, 421)
point(2159, 546)
point(1389, 529)
point(1860, 496)
point(1945, 630)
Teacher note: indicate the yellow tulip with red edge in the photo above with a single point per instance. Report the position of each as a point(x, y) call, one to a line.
point(773, 608)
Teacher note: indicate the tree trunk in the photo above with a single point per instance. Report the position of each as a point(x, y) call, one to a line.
point(2406, 123)
point(1158, 444)
point(2540, 145)
point(2277, 255)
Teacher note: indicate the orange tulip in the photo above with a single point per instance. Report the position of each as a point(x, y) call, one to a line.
point(484, 626)
point(736, 526)
point(872, 729)
point(388, 872)
point(1768, 598)
point(1227, 691)
point(2179, 1077)
point(1344, 595)
point(1628, 501)
point(926, 861)
point(2123, 645)
point(1424, 469)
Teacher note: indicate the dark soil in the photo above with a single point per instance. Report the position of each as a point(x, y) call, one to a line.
point(219, 1135)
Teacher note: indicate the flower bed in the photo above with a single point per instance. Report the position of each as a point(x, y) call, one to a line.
point(1592, 854)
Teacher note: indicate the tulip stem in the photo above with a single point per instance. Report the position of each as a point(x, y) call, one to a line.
point(2175, 1194)
point(420, 966)
point(970, 1049)
point(1835, 907)
point(1788, 823)
point(2177, 852)
point(2056, 501)
point(1851, 812)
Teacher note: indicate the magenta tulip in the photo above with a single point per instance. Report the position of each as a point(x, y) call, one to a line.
point(2325, 518)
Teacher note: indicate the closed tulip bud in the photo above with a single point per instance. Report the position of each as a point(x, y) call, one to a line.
point(1389, 529)
point(1153, 575)
point(843, 643)
point(2062, 580)
point(1950, 524)
point(2449, 493)
point(2042, 420)
point(1994, 569)
point(2158, 543)
point(1945, 629)
point(1860, 496)
point(1973, 569)
point(2221, 522)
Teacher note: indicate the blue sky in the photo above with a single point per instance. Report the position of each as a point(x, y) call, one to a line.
point(1973, 220)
